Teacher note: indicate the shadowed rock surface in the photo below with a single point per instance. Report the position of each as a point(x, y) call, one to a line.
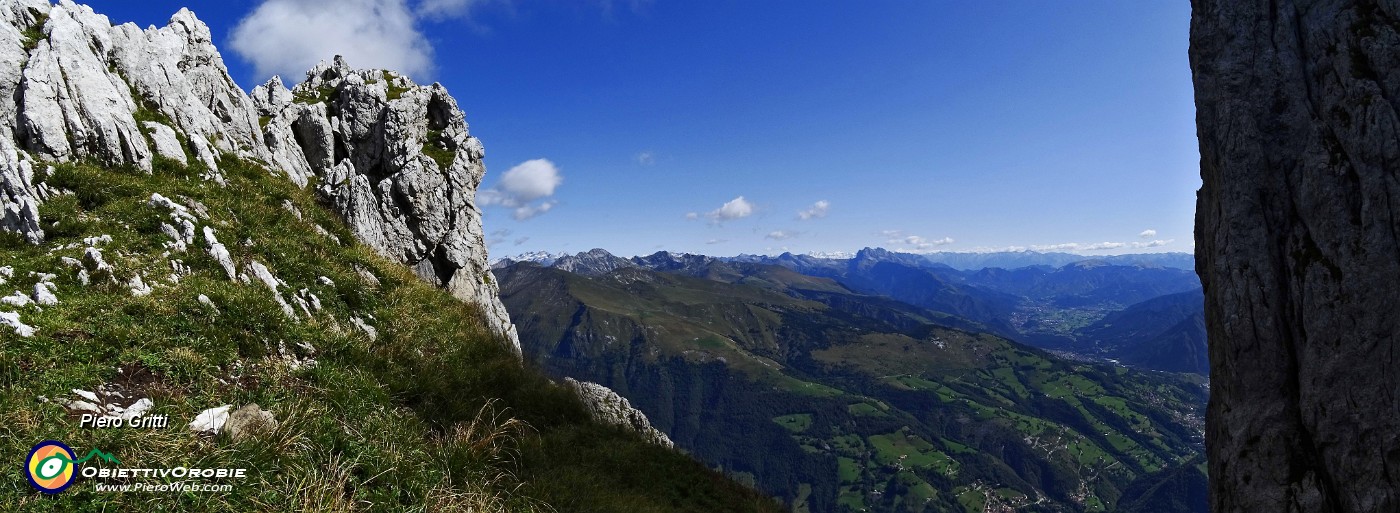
point(1298, 248)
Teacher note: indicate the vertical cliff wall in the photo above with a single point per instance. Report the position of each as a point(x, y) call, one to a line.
point(1298, 247)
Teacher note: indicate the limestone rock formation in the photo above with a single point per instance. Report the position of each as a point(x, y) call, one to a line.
point(1298, 246)
point(396, 160)
point(392, 157)
point(609, 408)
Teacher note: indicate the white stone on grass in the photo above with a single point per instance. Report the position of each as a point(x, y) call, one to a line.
point(369, 330)
point(43, 293)
point(178, 212)
point(137, 409)
point(265, 276)
point(18, 299)
point(220, 253)
point(210, 421)
point(138, 287)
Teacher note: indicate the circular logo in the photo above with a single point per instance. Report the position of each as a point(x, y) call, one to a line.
point(50, 466)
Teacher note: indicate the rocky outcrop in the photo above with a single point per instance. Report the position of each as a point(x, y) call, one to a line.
point(609, 408)
point(393, 158)
point(595, 262)
point(1298, 246)
point(396, 160)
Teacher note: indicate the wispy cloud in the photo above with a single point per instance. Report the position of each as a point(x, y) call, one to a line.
point(914, 242)
point(816, 211)
point(525, 188)
point(1148, 233)
point(645, 158)
point(716, 241)
point(1075, 246)
point(288, 37)
point(918, 242)
point(780, 235)
point(1153, 244)
point(497, 237)
point(444, 9)
point(1100, 246)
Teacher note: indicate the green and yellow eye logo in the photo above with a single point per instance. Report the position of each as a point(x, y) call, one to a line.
point(50, 466)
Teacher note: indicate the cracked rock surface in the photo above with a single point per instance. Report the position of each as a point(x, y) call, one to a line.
point(1298, 246)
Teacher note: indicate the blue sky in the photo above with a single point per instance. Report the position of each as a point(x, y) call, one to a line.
point(919, 125)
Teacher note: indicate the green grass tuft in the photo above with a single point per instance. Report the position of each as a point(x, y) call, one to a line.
point(434, 148)
point(35, 32)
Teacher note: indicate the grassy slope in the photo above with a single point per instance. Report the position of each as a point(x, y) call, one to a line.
point(375, 425)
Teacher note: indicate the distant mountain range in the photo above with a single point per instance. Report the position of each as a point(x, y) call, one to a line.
point(1085, 305)
point(964, 261)
point(1015, 259)
point(813, 382)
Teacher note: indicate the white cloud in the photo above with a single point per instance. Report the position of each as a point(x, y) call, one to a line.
point(732, 209)
point(1153, 244)
point(288, 37)
point(897, 237)
point(1101, 246)
point(646, 158)
point(918, 242)
point(780, 235)
point(1002, 249)
point(816, 211)
point(691, 216)
point(1078, 247)
point(1097, 246)
point(1066, 246)
point(442, 9)
point(530, 180)
point(716, 241)
point(1148, 233)
point(521, 185)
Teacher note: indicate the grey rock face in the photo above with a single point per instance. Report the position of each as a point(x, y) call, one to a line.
point(609, 408)
point(395, 160)
point(1298, 246)
point(19, 195)
point(595, 262)
point(392, 157)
